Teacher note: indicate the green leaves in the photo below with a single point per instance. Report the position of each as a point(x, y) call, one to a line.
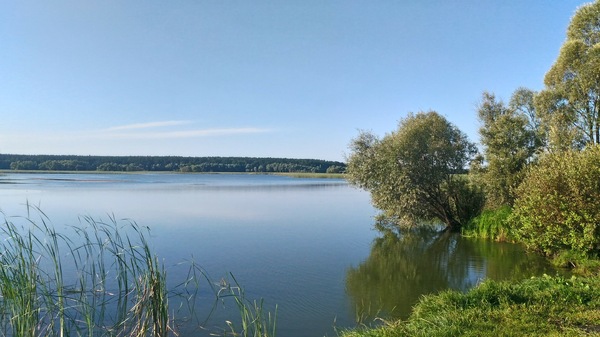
point(413, 172)
point(571, 100)
point(510, 138)
point(558, 204)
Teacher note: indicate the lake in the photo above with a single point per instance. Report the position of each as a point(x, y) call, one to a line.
point(305, 245)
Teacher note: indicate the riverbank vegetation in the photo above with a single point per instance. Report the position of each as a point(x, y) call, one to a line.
point(541, 306)
point(539, 174)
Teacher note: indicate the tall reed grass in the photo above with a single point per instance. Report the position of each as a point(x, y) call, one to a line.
point(99, 279)
point(490, 224)
point(255, 321)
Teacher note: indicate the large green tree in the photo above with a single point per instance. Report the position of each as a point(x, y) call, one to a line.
point(413, 172)
point(509, 138)
point(570, 103)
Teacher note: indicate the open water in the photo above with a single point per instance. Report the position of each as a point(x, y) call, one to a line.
point(304, 245)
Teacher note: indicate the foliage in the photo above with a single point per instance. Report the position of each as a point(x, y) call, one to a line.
point(413, 173)
point(490, 224)
point(540, 306)
point(522, 102)
point(335, 169)
point(570, 103)
point(558, 204)
point(509, 140)
point(168, 163)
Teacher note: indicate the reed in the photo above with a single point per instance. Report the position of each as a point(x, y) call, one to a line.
point(99, 279)
point(255, 321)
point(490, 224)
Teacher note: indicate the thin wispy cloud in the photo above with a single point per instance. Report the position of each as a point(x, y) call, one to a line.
point(103, 140)
point(149, 125)
point(150, 130)
point(188, 133)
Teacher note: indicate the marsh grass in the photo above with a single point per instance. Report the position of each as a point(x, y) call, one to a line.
point(490, 224)
point(254, 320)
point(100, 279)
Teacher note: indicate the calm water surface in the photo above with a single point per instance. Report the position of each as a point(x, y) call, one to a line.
point(306, 245)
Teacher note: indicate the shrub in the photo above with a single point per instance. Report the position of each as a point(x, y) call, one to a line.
point(558, 204)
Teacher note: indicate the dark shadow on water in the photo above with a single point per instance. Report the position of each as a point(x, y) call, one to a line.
point(403, 266)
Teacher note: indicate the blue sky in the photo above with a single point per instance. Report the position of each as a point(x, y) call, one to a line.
point(261, 78)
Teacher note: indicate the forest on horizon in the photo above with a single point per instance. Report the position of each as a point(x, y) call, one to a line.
point(20, 162)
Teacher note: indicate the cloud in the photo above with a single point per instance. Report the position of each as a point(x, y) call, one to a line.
point(147, 131)
point(185, 133)
point(102, 141)
point(147, 125)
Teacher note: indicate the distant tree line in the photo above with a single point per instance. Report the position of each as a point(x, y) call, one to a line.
point(167, 163)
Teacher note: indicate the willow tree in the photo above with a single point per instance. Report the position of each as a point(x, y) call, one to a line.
point(509, 138)
point(570, 102)
point(413, 172)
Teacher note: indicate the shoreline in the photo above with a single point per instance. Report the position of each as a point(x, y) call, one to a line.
point(286, 174)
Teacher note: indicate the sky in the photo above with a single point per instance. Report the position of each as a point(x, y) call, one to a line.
point(261, 78)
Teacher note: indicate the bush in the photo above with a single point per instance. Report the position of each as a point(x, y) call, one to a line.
point(558, 204)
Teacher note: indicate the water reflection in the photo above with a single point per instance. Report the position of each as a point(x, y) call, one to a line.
point(403, 266)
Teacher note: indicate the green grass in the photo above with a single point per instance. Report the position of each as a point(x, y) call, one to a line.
point(580, 264)
point(114, 286)
point(490, 224)
point(99, 279)
point(542, 306)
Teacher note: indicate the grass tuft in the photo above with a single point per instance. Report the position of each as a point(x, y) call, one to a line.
point(490, 224)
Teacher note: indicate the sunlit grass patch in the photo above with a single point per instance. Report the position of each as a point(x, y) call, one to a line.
point(490, 224)
point(541, 306)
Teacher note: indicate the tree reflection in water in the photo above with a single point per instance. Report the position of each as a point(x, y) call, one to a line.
point(404, 265)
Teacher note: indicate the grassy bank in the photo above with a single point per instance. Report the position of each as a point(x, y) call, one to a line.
point(542, 306)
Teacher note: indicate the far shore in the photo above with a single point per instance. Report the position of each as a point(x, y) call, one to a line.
point(286, 174)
